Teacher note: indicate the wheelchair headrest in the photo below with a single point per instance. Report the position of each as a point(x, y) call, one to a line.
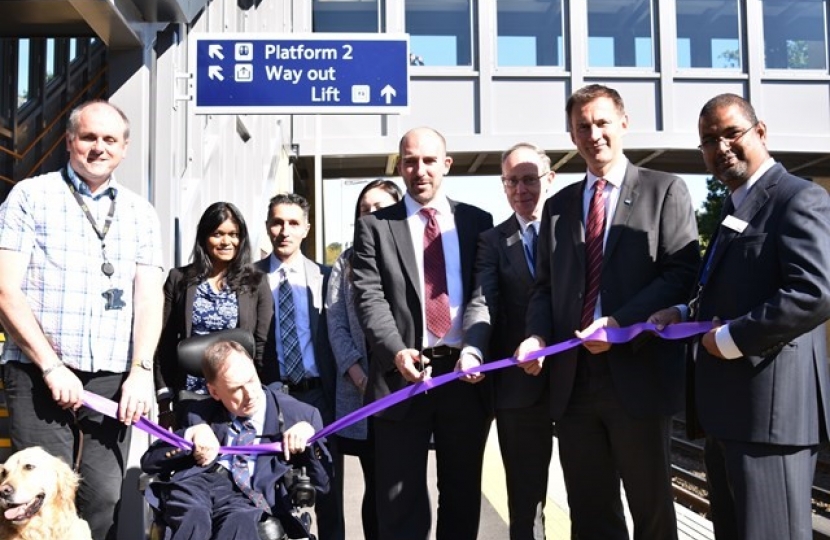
point(190, 351)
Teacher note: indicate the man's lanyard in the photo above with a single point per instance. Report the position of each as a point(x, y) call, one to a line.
point(107, 268)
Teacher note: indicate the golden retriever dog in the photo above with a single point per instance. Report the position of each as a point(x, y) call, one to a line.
point(37, 498)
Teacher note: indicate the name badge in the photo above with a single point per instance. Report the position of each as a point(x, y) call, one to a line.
point(737, 225)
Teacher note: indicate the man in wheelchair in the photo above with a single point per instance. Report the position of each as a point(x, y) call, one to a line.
point(206, 495)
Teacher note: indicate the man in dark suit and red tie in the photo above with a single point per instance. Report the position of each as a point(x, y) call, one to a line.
point(613, 249)
point(413, 276)
point(494, 327)
point(759, 382)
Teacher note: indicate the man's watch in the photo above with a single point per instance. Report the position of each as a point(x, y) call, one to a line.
point(144, 363)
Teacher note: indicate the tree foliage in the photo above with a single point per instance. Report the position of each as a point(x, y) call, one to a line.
point(333, 251)
point(708, 218)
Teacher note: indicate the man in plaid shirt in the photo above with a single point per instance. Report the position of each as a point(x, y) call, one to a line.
point(80, 298)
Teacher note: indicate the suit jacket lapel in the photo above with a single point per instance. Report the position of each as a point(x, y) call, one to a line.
point(514, 249)
point(754, 201)
point(399, 231)
point(626, 201)
point(467, 244)
point(314, 288)
point(576, 221)
point(271, 429)
point(189, 295)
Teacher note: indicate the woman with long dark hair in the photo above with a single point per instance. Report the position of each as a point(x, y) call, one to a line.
point(218, 290)
point(349, 347)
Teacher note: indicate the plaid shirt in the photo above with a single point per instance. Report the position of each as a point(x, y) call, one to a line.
point(64, 283)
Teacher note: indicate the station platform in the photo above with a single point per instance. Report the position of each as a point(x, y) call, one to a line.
point(494, 513)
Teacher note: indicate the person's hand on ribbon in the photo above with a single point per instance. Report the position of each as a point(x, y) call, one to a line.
point(295, 439)
point(525, 348)
point(408, 361)
point(66, 388)
point(665, 317)
point(594, 346)
point(205, 443)
point(466, 362)
point(710, 343)
point(136, 396)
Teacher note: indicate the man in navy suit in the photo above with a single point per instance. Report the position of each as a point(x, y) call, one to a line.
point(759, 382)
point(494, 327)
point(202, 499)
point(393, 247)
point(613, 249)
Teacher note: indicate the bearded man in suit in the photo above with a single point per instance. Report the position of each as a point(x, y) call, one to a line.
point(413, 275)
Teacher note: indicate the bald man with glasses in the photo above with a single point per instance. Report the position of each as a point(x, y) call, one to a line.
point(494, 325)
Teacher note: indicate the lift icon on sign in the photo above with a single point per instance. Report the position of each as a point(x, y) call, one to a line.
point(243, 73)
point(361, 93)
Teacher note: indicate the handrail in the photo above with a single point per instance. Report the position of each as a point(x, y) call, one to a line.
point(59, 116)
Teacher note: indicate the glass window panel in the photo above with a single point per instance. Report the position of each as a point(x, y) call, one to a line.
point(620, 33)
point(708, 34)
point(73, 49)
point(795, 33)
point(530, 33)
point(440, 32)
point(347, 16)
point(23, 78)
point(51, 66)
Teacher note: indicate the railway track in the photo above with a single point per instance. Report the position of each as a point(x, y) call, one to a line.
point(690, 489)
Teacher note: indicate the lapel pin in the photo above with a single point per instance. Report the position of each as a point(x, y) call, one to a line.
point(627, 202)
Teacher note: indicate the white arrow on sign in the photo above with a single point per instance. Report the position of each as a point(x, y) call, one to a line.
point(215, 72)
point(388, 92)
point(215, 51)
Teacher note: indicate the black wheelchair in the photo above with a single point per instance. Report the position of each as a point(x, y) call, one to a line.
point(296, 482)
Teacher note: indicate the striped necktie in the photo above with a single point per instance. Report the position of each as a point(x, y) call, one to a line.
point(292, 356)
point(594, 233)
point(436, 297)
point(240, 472)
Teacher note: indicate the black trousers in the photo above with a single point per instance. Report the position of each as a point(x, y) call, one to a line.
point(454, 416)
point(36, 420)
point(600, 443)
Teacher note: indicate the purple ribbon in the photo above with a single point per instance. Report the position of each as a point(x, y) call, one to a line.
point(608, 335)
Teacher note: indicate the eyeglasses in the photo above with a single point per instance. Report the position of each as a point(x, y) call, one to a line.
point(529, 181)
point(710, 143)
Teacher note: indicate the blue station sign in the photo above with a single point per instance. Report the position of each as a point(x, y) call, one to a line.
point(300, 73)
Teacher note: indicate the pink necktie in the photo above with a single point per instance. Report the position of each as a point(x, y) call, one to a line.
point(436, 298)
point(594, 233)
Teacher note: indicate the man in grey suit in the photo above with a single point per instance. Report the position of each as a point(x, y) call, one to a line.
point(760, 381)
point(298, 352)
point(613, 249)
point(494, 325)
point(413, 275)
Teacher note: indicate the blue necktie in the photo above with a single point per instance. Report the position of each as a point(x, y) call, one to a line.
point(239, 466)
point(531, 244)
point(293, 358)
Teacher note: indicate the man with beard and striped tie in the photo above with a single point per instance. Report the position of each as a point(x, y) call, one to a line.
point(613, 249)
point(298, 353)
point(413, 275)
